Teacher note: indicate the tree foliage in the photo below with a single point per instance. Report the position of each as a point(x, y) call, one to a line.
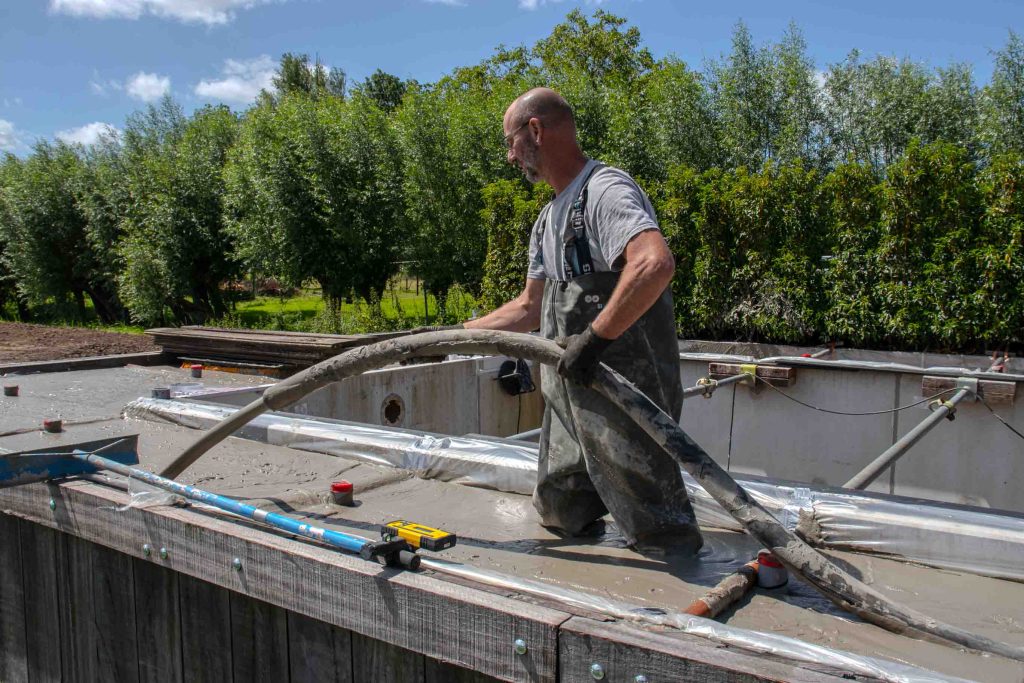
point(876, 200)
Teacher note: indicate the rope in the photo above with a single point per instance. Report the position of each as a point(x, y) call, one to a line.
point(855, 414)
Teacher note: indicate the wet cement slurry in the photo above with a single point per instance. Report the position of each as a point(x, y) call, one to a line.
point(500, 531)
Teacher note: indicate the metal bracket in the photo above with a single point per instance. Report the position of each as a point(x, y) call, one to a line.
point(968, 383)
point(750, 369)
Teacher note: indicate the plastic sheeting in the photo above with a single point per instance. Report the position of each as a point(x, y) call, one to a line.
point(753, 641)
point(945, 536)
point(505, 466)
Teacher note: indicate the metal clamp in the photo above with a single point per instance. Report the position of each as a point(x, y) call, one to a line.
point(940, 403)
point(709, 385)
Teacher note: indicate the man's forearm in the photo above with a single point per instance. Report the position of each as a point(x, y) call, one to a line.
point(639, 286)
point(514, 316)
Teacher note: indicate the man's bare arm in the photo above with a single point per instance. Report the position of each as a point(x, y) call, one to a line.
point(521, 314)
point(648, 271)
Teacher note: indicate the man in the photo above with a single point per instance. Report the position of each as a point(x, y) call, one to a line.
point(599, 276)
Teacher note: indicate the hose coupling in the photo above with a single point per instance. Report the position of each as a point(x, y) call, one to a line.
point(709, 386)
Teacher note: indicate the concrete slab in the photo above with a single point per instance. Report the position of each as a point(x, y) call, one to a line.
point(501, 532)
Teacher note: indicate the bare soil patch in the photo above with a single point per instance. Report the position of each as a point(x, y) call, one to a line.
point(23, 342)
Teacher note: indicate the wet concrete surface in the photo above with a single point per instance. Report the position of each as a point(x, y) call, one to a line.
point(501, 531)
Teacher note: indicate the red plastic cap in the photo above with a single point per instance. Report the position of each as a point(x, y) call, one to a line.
point(805, 355)
point(767, 559)
point(341, 487)
point(196, 366)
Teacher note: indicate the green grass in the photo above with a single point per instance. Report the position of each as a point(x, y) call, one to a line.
point(307, 311)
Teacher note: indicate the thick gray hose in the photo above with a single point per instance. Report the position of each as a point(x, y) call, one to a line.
point(835, 583)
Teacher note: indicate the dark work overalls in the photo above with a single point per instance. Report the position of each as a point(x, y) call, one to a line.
point(593, 459)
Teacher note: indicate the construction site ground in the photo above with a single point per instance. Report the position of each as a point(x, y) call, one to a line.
point(501, 532)
point(25, 342)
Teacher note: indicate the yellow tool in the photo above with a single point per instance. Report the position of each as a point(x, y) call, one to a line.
point(418, 535)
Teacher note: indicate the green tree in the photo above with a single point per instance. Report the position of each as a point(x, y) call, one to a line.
point(1003, 100)
point(175, 248)
point(509, 213)
point(296, 73)
point(315, 192)
point(384, 89)
point(45, 230)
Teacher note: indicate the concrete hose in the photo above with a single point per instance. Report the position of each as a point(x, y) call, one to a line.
point(832, 581)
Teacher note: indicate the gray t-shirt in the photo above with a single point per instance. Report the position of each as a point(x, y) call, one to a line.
point(617, 210)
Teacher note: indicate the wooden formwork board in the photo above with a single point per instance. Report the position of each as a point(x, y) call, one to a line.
point(293, 612)
point(777, 376)
point(993, 391)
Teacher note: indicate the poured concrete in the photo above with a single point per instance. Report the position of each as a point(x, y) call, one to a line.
point(501, 532)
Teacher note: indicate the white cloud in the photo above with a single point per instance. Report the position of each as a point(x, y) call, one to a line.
point(89, 134)
point(450, 3)
point(148, 87)
point(534, 4)
point(12, 102)
point(9, 138)
point(207, 12)
point(241, 82)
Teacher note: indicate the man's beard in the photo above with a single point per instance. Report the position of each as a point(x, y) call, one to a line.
point(528, 161)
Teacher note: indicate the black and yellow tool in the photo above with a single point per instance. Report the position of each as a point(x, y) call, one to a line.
point(418, 535)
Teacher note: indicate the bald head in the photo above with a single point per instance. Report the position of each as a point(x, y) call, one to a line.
point(540, 135)
point(544, 104)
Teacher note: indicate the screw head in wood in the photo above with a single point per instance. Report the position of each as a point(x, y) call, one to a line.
point(163, 553)
point(640, 678)
point(597, 671)
point(53, 504)
point(520, 646)
point(237, 564)
point(147, 550)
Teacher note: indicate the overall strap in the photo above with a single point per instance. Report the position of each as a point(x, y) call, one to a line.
point(577, 249)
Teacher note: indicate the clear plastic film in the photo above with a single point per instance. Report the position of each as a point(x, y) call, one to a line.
point(509, 466)
point(946, 536)
point(752, 641)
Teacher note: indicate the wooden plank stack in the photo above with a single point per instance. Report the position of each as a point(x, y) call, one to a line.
point(288, 349)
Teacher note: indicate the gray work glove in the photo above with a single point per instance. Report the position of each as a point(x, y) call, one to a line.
point(435, 328)
point(582, 355)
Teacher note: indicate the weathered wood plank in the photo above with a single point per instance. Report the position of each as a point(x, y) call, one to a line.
point(441, 672)
point(318, 652)
point(777, 376)
point(75, 605)
point(13, 657)
point(624, 652)
point(452, 623)
point(259, 640)
point(158, 622)
point(113, 615)
point(205, 631)
point(86, 363)
point(375, 660)
point(993, 391)
point(44, 649)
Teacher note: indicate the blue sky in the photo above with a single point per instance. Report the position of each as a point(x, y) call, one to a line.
point(70, 67)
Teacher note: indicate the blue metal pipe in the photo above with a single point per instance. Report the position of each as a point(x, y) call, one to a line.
point(349, 542)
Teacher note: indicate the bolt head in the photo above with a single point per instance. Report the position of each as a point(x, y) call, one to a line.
point(640, 678)
point(163, 553)
point(597, 671)
point(237, 564)
point(147, 550)
point(53, 504)
point(520, 646)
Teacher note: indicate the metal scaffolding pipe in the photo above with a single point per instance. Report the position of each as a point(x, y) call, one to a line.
point(710, 385)
point(896, 451)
